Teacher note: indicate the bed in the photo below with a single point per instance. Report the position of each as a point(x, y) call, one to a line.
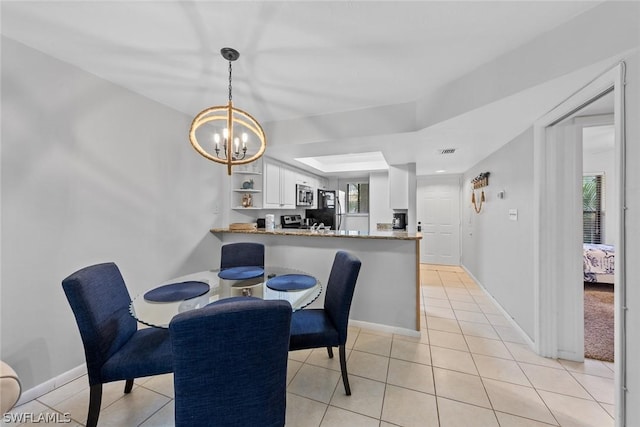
point(598, 263)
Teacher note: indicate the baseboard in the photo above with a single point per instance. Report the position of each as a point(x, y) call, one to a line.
point(504, 312)
point(52, 384)
point(384, 328)
point(570, 355)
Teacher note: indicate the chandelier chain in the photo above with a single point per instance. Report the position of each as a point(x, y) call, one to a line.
point(229, 80)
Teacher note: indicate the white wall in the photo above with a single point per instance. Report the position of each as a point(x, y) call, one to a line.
point(499, 252)
point(496, 250)
point(379, 210)
point(605, 34)
point(356, 222)
point(90, 173)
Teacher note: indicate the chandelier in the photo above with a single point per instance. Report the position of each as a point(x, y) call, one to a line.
point(225, 134)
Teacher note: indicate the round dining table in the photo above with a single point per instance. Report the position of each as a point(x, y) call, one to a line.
point(156, 308)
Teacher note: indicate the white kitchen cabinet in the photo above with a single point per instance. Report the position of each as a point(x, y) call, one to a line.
point(279, 186)
point(272, 185)
point(301, 178)
point(314, 181)
point(288, 188)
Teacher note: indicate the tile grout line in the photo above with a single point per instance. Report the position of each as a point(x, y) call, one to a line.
point(521, 370)
point(519, 367)
point(433, 374)
point(449, 345)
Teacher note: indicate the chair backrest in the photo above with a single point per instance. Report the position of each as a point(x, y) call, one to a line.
point(100, 302)
point(230, 363)
point(241, 255)
point(340, 288)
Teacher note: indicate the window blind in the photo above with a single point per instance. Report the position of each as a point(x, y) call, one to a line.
point(592, 209)
point(358, 198)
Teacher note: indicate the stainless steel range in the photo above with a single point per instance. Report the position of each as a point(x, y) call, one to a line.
point(291, 221)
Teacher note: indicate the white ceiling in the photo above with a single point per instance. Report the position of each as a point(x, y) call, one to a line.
point(306, 58)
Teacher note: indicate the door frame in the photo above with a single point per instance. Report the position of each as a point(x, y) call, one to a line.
point(548, 231)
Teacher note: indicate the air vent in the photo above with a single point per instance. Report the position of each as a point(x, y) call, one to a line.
point(446, 151)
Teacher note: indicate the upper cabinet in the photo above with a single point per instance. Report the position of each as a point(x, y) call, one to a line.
point(306, 180)
point(279, 186)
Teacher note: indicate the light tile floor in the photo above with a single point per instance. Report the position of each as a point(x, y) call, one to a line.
point(469, 368)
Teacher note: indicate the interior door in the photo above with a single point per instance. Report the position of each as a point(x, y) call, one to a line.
point(438, 210)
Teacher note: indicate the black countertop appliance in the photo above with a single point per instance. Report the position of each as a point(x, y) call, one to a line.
point(399, 221)
point(322, 216)
point(291, 221)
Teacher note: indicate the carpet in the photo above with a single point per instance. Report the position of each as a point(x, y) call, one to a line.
point(598, 322)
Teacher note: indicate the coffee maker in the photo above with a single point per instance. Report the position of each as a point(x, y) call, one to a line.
point(399, 221)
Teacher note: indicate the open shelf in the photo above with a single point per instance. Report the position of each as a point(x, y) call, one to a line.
point(251, 175)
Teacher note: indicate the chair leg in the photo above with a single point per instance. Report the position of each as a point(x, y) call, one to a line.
point(128, 386)
point(95, 399)
point(330, 351)
point(343, 368)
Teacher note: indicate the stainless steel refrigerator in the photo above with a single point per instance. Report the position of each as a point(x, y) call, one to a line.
point(331, 209)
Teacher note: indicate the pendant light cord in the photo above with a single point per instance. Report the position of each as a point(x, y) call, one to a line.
point(229, 81)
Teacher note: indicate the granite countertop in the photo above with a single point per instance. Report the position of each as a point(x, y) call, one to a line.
point(388, 235)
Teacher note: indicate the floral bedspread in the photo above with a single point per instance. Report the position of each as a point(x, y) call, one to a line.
point(598, 261)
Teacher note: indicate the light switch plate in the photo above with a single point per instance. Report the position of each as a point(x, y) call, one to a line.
point(513, 214)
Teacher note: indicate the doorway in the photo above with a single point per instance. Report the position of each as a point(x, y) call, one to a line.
point(599, 222)
point(558, 272)
point(438, 211)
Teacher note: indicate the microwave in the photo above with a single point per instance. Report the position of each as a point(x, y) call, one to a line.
point(304, 195)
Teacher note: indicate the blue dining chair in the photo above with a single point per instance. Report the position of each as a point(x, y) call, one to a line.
point(230, 363)
point(241, 261)
point(241, 254)
point(327, 327)
point(114, 348)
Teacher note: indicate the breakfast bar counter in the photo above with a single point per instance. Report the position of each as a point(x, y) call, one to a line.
point(387, 294)
point(387, 235)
